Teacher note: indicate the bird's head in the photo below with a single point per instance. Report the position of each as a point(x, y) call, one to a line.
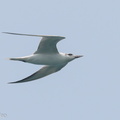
point(71, 57)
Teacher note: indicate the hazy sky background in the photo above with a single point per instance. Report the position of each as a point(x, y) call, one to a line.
point(87, 88)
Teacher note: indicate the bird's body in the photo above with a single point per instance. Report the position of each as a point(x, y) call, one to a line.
point(44, 59)
point(46, 54)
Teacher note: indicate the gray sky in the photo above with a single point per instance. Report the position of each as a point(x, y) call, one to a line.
point(87, 88)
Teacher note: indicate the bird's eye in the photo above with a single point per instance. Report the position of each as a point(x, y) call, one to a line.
point(70, 54)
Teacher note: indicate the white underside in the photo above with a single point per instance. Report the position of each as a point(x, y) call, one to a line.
point(45, 59)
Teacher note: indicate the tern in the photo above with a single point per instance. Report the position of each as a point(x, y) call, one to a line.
point(46, 54)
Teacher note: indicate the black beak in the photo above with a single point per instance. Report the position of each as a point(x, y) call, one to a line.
point(77, 56)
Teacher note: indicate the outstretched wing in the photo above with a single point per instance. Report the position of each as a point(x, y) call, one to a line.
point(47, 44)
point(44, 71)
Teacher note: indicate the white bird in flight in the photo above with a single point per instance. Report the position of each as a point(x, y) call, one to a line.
point(46, 54)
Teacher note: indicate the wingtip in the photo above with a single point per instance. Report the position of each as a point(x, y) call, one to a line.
point(6, 32)
point(10, 33)
point(13, 82)
point(16, 82)
point(34, 35)
point(10, 82)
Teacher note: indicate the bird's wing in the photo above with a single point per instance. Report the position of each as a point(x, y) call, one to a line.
point(44, 71)
point(47, 44)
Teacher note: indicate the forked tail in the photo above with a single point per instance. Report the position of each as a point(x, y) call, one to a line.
point(17, 59)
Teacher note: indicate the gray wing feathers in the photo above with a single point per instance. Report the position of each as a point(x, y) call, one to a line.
point(48, 45)
point(44, 71)
point(34, 35)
